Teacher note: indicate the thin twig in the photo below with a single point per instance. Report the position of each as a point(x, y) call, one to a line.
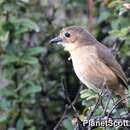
point(68, 99)
point(77, 95)
point(71, 105)
point(106, 106)
point(62, 118)
point(117, 104)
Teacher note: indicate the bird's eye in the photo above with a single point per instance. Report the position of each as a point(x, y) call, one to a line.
point(67, 34)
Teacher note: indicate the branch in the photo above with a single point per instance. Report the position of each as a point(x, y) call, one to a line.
point(116, 105)
point(71, 105)
point(62, 118)
point(90, 14)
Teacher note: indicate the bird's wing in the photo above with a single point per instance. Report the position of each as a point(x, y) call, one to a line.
point(106, 56)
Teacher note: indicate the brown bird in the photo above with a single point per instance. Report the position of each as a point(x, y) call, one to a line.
point(93, 62)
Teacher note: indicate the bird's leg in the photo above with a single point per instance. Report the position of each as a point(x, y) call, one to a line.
point(108, 101)
point(103, 107)
point(106, 105)
point(104, 94)
point(109, 98)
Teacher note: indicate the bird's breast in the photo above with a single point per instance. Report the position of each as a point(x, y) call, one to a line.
point(90, 70)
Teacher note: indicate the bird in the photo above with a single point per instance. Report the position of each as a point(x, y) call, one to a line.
point(93, 62)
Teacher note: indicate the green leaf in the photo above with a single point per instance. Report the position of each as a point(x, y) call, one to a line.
point(125, 50)
point(1, 1)
point(31, 89)
point(35, 50)
point(115, 3)
point(9, 7)
point(20, 124)
point(20, 31)
point(25, 1)
point(67, 124)
point(27, 23)
point(86, 93)
point(3, 118)
point(4, 83)
point(103, 16)
point(6, 92)
point(100, 129)
point(32, 128)
point(5, 105)
point(7, 59)
point(4, 37)
point(29, 60)
point(121, 34)
point(11, 129)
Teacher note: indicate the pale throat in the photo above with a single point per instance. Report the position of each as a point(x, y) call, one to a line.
point(70, 47)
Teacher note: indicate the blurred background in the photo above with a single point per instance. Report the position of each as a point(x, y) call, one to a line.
point(32, 71)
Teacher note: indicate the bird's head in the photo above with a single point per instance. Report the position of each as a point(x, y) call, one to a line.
point(73, 37)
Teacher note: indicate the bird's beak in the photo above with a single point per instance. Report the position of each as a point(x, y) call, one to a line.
point(56, 40)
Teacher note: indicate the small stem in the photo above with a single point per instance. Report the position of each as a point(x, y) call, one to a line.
point(117, 104)
point(62, 118)
point(90, 14)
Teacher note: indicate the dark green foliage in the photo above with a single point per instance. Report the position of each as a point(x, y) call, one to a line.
point(32, 70)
